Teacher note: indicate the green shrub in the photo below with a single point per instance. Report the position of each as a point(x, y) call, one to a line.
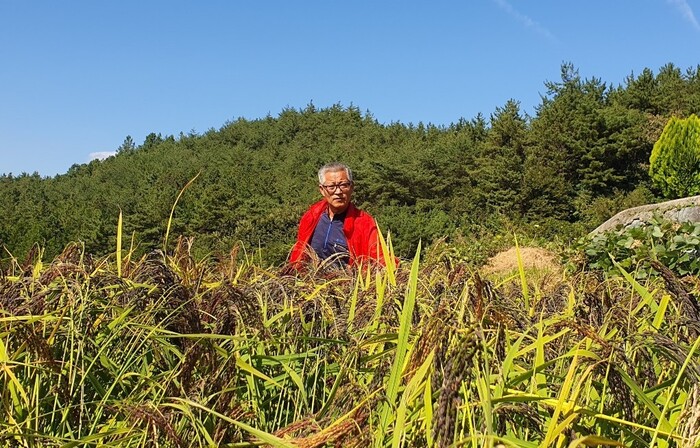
point(676, 246)
point(675, 159)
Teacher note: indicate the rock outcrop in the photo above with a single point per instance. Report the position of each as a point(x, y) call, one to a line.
point(678, 210)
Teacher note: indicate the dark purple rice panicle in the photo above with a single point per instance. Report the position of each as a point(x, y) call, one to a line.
point(58, 270)
point(187, 322)
point(225, 268)
point(312, 313)
point(608, 304)
point(458, 277)
point(586, 331)
point(438, 289)
point(151, 419)
point(591, 309)
point(74, 254)
point(438, 334)
point(675, 353)
point(581, 330)
point(435, 336)
point(44, 441)
point(194, 358)
point(594, 303)
point(176, 311)
point(27, 333)
point(57, 284)
point(278, 291)
point(457, 370)
point(686, 327)
point(675, 286)
point(354, 432)
point(499, 307)
point(481, 296)
point(27, 266)
point(336, 306)
point(226, 433)
point(12, 297)
point(227, 307)
point(178, 307)
point(37, 345)
point(518, 416)
point(499, 350)
point(416, 438)
point(220, 376)
point(391, 308)
point(108, 280)
point(620, 398)
point(72, 260)
point(688, 303)
point(346, 397)
point(381, 372)
point(340, 311)
point(553, 303)
point(226, 403)
point(427, 341)
point(507, 314)
point(153, 270)
point(364, 312)
point(643, 368)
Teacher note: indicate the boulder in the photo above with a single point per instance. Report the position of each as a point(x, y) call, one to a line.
point(678, 210)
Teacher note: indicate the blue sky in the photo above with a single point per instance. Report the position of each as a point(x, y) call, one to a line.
point(78, 76)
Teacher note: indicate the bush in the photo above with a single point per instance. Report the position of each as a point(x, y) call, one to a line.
point(674, 245)
point(675, 159)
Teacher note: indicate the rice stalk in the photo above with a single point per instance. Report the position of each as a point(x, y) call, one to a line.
point(119, 245)
point(387, 417)
point(172, 212)
point(672, 391)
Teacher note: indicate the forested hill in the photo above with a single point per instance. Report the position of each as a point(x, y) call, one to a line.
point(581, 158)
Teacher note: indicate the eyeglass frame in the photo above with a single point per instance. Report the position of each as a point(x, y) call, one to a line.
point(343, 186)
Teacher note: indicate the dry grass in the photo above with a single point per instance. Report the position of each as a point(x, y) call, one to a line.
point(542, 268)
point(533, 258)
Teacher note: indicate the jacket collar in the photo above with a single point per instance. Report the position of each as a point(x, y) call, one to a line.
point(350, 214)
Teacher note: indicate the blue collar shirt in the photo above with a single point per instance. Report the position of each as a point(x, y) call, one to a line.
point(328, 239)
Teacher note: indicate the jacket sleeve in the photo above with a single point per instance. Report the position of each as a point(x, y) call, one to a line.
point(374, 250)
point(303, 234)
point(369, 250)
point(297, 252)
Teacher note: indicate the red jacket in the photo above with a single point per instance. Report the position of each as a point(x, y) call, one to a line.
point(359, 228)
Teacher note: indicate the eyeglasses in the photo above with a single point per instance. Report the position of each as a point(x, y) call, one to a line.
point(344, 186)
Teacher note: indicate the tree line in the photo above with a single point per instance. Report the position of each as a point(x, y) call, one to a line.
point(582, 157)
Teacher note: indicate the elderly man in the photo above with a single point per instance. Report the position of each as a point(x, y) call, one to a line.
point(333, 228)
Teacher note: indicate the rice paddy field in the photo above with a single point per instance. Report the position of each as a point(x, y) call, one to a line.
point(169, 351)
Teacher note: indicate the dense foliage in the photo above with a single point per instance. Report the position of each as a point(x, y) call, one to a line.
point(583, 156)
point(637, 248)
point(170, 351)
point(675, 159)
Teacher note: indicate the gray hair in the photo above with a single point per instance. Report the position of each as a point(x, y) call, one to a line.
point(332, 168)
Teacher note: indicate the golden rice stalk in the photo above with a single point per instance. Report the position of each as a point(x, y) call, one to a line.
point(689, 420)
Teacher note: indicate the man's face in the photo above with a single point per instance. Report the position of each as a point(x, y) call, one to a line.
point(336, 190)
